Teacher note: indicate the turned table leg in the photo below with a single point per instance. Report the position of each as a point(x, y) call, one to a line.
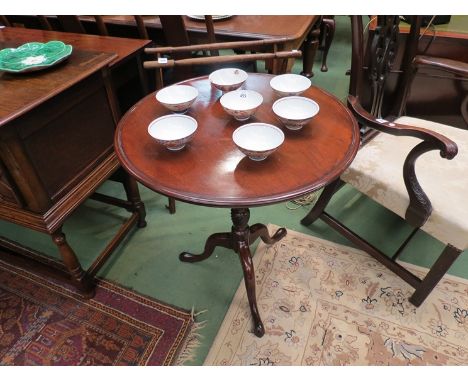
point(239, 240)
point(133, 196)
point(79, 277)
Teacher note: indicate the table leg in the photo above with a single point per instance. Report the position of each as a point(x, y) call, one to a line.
point(327, 32)
point(260, 230)
point(308, 55)
point(78, 276)
point(245, 258)
point(239, 240)
point(222, 239)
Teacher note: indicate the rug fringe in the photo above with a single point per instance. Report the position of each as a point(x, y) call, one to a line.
point(192, 341)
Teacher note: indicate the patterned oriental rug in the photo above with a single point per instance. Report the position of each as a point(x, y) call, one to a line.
point(327, 304)
point(44, 323)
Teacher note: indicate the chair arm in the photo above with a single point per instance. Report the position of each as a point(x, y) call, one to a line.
point(419, 208)
point(451, 66)
point(448, 148)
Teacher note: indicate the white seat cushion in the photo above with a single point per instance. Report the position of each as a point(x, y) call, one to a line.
point(377, 171)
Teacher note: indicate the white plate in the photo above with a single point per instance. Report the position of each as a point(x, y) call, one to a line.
point(215, 17)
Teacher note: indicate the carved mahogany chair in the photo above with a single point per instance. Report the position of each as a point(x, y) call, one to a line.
point(181, 51)
point(408, 165)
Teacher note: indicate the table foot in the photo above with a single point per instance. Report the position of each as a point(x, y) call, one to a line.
point(260, 230)
point(249, 279)
point(220, 239)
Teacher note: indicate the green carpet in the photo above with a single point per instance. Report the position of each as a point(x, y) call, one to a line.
point(148, 262)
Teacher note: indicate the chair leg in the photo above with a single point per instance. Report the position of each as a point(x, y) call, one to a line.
point(437, 271)
point(171, 206)
point(322, 202)
point(133, 196)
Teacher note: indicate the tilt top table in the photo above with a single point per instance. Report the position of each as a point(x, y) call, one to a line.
point(211, 171)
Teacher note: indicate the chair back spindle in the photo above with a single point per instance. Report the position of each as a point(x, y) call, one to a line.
point(73, 24)
point(142, 32)
point(4, 21)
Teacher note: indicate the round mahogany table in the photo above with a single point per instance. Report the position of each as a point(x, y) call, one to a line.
point(211, 171)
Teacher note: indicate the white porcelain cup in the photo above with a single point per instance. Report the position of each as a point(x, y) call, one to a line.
point(241, 104)
point(173, 131)
point(177, 98)
point(228, 79)
point(258, 140)
point(295, 111)
point(289, 84)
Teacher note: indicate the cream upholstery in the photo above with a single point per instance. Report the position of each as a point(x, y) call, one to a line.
point(377, 171)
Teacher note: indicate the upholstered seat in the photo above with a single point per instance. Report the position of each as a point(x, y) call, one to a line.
point(377, 171)
point(413, 167)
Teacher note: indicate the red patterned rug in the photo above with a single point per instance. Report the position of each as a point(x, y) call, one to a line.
point(44, 323)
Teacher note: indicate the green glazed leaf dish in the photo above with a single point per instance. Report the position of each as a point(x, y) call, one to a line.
point(33, 56)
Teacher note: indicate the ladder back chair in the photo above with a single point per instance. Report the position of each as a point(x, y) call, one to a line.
point(408, 165)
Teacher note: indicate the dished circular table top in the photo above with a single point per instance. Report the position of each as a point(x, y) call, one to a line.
point(212, 171)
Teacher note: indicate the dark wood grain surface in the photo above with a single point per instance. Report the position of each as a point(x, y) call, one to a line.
point(212, 171)
point(123, 48)
point(291, 27)
point(22, 92)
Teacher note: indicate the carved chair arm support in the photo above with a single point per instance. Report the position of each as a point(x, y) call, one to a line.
point(451, 66)
point(420, 207)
